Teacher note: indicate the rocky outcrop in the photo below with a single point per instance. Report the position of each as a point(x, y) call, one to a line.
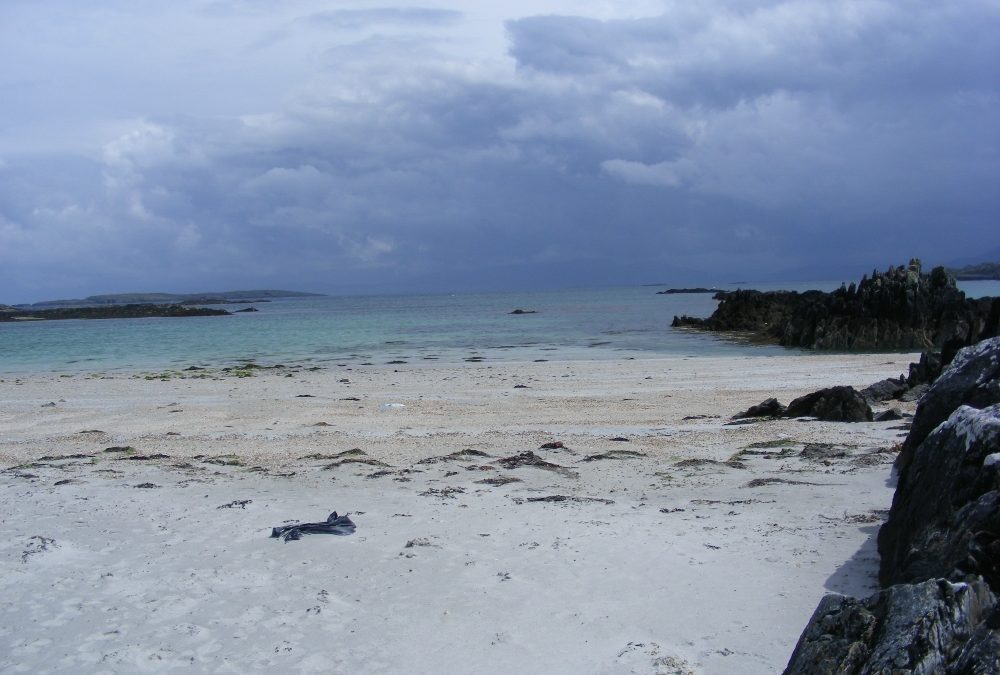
point(939, 548)
point(972, 378)
point(945, 516)
point(910, 628)
point(902, 308)
point(835, 404)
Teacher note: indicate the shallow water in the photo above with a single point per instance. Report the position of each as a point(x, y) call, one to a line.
point(569, 324)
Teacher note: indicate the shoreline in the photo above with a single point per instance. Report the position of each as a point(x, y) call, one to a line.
point(445, 571)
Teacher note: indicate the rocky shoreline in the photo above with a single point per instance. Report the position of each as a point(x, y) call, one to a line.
point(939, 607)
point(901, 308)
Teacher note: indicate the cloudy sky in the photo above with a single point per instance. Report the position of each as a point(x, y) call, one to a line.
point(457, 145)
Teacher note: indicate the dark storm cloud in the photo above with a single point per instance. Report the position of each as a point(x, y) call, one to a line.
point(713, 141)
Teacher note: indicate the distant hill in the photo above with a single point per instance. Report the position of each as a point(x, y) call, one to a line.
point(977, 272)
point(211, 298)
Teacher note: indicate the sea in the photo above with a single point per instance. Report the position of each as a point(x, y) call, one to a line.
point(574, 324)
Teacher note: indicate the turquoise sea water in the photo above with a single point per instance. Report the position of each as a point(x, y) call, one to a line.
point(569, 324)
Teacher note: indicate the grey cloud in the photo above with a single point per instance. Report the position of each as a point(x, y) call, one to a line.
point(358, 18)
point(783, 138)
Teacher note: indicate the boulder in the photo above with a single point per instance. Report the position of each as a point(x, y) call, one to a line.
point(767, 408)
point(835, 404)
point(890, 415)
point(945, 515)
point(885, 390)
point(932, 627)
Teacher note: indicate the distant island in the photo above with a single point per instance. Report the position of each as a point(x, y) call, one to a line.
point(684, 291)
point(133, 311)
point(211, 298)
point(981, 272)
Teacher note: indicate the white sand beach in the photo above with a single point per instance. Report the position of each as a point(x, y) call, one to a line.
point(653, 563)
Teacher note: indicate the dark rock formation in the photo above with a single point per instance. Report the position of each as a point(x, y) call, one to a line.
point(112, 312)
point(922, 628)
point(884, 390)
point(902, 308)
point(972, 378)
point(523, 311)
point(766, 408)
point(835, 404)
point(890, 415)
point(926, 370)
point(939, 548)
point(945, 516)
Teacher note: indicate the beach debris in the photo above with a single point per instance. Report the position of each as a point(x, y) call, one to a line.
point(147, 486)
point(322, 424)
point(615, 454)
point(674, 510)
point(50, 404)
point(699, 462)
point(528, 458)
point(761, 482)
point(498, 480)
point(563, 498)
point(822, 451)
point(552, 445)
point(350, 398)
point(91, 431)
point(242, 503)
point(444, 493)
point(126, 449)
point(700, 417)
point(419, 541)
point(461, 455)
point(67, 481)
point(144, 458)
point(521, 386)
point(55, 458)
point(335, 524)
point(392, 406)
point(352, 456)
point(620, 439)
point(304, 396)
point(224, 460)
point(37, 544)
point(353, 452)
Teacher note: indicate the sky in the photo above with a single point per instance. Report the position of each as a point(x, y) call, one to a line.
point(346, 147)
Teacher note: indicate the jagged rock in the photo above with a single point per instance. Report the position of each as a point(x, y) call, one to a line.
point(835, 404)
point(972, 378)
point(885, 390)
point(902, 308)
point(923, 628)
point(945, 515)
point(767, 408)
point(926, 370)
